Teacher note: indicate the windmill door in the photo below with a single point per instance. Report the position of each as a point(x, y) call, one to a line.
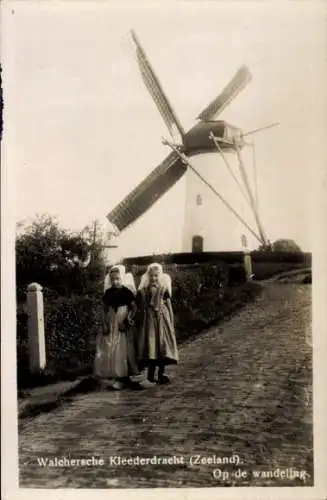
point(197, 244)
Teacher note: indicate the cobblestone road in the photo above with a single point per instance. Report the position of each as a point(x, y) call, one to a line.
point(243, 388)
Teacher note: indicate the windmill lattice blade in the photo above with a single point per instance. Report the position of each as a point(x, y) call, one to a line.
point(152, 84)
point(153, 187)
point(237, 83)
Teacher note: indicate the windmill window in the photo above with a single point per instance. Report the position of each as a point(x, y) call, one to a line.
point(197, 244)
point(198, 199)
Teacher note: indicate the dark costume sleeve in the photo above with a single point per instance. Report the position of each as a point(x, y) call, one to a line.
point(118, 297)
point(114, 297)
point(166, 295)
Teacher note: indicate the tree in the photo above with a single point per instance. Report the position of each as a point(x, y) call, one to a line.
point(281, 245)
point(285, 245)
point(58, 259)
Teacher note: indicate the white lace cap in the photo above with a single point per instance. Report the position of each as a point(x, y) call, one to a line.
point(164, 278)
point(130, 282)
point(122, 271)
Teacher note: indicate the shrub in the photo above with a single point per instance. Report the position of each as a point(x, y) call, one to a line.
point(71, 325)
point(70, 263)
point(285, 245)
point(237, 274)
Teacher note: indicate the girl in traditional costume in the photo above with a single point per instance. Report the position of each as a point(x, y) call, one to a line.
point(156, 343)
point(115, 353)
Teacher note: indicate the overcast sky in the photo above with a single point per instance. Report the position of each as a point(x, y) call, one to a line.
point(84, 131)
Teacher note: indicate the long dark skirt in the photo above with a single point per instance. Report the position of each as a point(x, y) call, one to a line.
point(156, 343)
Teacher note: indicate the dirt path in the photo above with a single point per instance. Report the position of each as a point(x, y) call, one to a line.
point(240, 390)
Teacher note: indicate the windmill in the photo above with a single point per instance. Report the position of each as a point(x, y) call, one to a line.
point(206, 136)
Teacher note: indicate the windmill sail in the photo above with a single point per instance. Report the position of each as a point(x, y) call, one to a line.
point(234, 87)
point(153, 187)
point(152, 84)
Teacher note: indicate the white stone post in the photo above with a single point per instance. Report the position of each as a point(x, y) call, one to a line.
point(36, 338)
point(247, 261)
point(248, 265)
